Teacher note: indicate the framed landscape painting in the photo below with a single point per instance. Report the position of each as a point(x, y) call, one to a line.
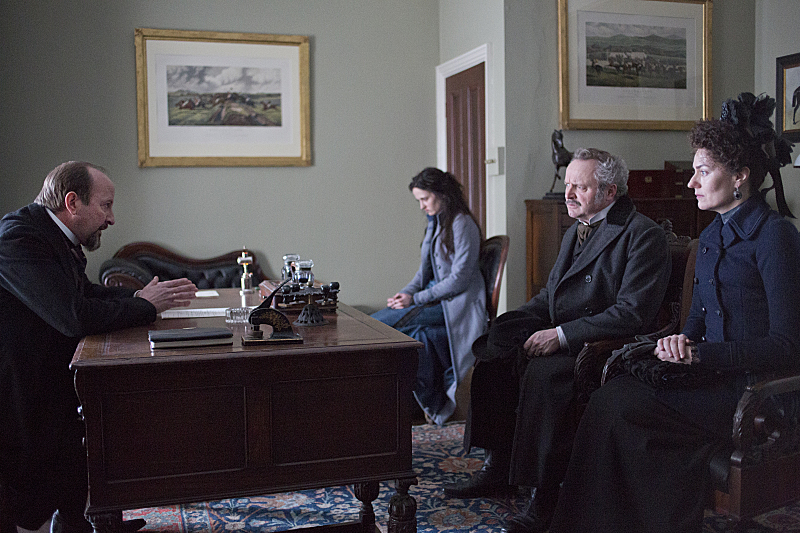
point(222, 99)
point(634, 64)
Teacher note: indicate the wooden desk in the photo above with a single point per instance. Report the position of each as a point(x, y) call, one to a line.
point(198, 424)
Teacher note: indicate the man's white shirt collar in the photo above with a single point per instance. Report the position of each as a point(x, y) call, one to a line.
point(599, 216)
point(71, 236)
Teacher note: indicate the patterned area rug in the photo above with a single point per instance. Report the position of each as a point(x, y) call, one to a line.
point(438, 458)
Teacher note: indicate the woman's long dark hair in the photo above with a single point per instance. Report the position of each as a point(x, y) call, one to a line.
point(449, 191)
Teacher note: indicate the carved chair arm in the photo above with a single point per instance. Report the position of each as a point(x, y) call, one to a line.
point(762, 429)
point(590, 364)
point(671, 328)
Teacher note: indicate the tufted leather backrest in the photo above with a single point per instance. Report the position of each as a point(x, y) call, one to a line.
point(135, 264)
point(217, 276)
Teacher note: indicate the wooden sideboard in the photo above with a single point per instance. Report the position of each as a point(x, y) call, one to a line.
point(547, 221)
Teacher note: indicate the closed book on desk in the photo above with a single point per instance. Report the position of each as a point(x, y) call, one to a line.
point(177, 338)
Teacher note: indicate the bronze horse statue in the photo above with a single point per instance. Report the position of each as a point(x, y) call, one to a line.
point(561, 156)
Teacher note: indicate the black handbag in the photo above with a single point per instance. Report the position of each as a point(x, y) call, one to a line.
point(638, 359)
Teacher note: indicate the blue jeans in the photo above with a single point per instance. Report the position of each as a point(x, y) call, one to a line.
point(425, 324)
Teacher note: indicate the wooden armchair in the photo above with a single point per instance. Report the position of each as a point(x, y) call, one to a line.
point(762, 471)
point(759, 472)
point(492, 260)
point(135, 264)
point(671, 316)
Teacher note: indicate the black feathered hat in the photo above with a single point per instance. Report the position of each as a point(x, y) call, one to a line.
point(751, 115)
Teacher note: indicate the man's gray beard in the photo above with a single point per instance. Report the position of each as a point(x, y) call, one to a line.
point(93, 242)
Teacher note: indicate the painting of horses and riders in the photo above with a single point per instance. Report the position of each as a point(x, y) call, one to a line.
point(224, 96)
point(635, 55)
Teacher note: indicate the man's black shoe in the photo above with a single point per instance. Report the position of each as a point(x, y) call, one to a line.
point(130, 526)
point(484, 483)
point(525, 524)
point(490, 480)
point(537, 516)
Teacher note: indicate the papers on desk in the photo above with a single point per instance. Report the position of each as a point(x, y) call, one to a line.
point(208, 293)
point(196, 313)
point(193, 313)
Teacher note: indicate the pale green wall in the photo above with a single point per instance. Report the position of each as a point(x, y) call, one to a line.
point(532, 105)
point(777, 34)
point(68, 89)
point(69, 92)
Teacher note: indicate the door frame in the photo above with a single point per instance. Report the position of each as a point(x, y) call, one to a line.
point(445, 70)
point(481, 54)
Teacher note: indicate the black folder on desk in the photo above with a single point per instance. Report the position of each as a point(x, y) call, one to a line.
point(178, 338)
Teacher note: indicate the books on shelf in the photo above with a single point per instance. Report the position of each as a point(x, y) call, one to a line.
point(179, 338)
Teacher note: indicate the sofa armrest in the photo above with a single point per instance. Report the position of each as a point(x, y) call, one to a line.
point(117, 272)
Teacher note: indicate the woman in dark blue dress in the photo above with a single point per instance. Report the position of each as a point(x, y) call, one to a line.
point(640, 461)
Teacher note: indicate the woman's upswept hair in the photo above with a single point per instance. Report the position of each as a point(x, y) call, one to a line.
point(728, 146)
point(744, 136)
point(450, 193)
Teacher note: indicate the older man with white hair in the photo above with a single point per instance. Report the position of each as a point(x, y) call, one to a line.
point(608, 281)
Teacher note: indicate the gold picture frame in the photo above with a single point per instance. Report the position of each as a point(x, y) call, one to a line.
point(222, 99)
point(787, 96)
point(634, 64)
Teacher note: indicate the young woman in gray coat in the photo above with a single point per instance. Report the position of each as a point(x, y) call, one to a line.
point(444, 306)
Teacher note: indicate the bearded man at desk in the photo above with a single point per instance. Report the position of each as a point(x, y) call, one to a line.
point(608, 281)
point(47, 304)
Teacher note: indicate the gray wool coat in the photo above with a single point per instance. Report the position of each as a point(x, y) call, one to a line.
point(459, 287)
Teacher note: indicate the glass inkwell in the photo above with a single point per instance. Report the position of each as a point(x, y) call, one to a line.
point(289, 265)
point(303, 275)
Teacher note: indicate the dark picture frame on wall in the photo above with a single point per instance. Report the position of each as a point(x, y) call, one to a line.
point(787, 96)
point(634, 64)
point(216, 99)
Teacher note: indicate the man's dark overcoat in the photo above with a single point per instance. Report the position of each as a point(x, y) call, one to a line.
point(46, 305)
point(612, 286)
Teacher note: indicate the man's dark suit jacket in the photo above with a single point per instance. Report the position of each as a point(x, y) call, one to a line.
point(611, 287)
point(46, 305)
point(614, 287)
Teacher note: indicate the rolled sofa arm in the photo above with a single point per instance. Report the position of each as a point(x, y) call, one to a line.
point(118, 272)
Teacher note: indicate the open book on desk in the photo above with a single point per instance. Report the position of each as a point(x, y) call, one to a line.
point(184, 337)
